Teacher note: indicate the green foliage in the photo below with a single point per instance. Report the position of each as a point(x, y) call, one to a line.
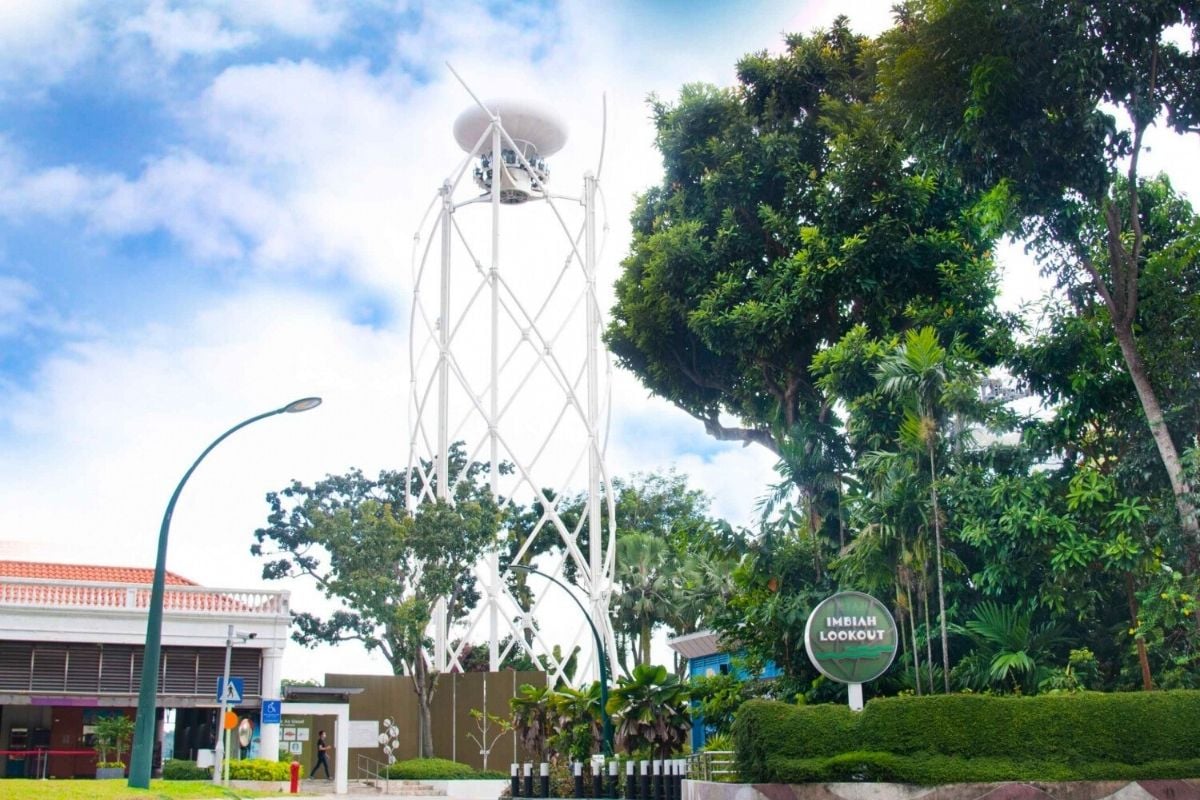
point(389, 557)
point(1011, 652)
point(577, 722)
point(532, 719)
point(259, 769)
point(435, 769)
point(952, 738)
point(789, 214)
point(113, 732)
point(716, 698)
point(174, 769)
point(652, 710)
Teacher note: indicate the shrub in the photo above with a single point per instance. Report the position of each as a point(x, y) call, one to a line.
point(179, 770)
point(258, 769)
point(431, 769)
point(952, 738)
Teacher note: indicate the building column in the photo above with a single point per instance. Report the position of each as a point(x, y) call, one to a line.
point(272, 675)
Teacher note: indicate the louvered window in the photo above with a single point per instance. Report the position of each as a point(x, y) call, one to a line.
point(15, 661)
point(83, 668)
point(116, 669)
point(210, 667)
point(179, 668)
point(247, 665)
point(49, 668)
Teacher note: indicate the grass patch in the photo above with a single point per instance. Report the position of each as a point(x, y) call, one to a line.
point(117, 789)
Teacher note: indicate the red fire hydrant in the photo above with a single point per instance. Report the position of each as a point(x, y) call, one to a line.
point(295, 767)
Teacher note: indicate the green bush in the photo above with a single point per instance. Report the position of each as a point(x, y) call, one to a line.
point(431, 769)
point(179, 770)
point(259, 769)
point(953, 738)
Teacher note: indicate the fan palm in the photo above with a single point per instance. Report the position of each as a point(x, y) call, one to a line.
point(1010, 651)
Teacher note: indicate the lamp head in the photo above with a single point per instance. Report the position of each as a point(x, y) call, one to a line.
point(303, 404)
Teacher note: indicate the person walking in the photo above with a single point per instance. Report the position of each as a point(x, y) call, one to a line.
point(322, 757)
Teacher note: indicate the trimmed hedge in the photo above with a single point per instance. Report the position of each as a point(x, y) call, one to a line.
point(431, 769)
point(259, 769)
point(250, 769)
point(975, 738)
point(176, 769)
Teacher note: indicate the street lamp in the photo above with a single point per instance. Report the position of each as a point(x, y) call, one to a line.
point(142, 754)
point(601, 656)
point(222, 733)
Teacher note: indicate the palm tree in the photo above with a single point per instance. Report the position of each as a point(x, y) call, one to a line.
point(922, 374)
point(646, 571)
point(533, 718)
point(652, 705)
point(577, 718)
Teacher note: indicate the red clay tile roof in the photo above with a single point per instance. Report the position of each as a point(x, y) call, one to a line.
point(85, 573)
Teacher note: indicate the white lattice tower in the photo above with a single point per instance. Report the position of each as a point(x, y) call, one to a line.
point(506, 357)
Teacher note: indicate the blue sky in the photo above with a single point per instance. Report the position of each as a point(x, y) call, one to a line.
point(207, 209)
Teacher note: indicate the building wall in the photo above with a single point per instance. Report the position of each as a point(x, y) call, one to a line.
point(453, 726)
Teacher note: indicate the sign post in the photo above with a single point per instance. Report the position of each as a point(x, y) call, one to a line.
point(851, 638)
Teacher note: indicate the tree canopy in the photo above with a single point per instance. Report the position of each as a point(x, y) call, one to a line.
point(388, 563)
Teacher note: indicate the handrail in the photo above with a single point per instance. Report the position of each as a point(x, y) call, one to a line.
point(43, 593)
point(378, 774)
point(709, 765)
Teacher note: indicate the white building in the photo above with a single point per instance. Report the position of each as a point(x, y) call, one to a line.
point(71, 643)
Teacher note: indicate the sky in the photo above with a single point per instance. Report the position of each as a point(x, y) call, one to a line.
point(207, 210)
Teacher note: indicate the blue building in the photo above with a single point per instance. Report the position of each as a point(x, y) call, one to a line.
point(706, 657)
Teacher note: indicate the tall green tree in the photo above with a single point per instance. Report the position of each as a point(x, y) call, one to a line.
point(928, 380)
point(387, 563)
point(1018, 98)
point(788, 214)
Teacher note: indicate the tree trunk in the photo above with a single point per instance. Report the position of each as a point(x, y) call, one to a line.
point(1143, 658)
point(1162, 437)
point(937, 534)
point(928, 627)
point(424, 684)
point(644, 656)
point(912, 612)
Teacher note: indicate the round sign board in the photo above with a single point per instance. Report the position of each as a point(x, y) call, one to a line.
point(231, 720)
point(851, 637)
point(245, 732)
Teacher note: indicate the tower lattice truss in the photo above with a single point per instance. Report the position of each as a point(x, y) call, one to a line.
point(506, 359)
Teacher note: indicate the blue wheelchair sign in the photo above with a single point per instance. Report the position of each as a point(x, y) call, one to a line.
point(272, 711)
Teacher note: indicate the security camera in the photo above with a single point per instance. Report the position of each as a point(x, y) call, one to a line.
point(252, 636)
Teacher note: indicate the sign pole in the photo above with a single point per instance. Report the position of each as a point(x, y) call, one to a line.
point(856, 699)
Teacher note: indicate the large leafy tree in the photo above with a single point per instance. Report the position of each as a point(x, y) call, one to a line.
point(387, 563)
point(673, 560)
point(1018, 98)
point(788, 215)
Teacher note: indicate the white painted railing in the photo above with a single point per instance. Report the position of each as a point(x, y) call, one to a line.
point(35, 593)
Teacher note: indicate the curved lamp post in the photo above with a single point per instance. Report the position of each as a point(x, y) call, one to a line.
point(142, 752)
point(601, 655)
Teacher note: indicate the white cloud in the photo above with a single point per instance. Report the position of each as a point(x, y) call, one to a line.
point(108, 428)
point(16, 298)
point(301, 19)
point(175, 33)
point(40, 42)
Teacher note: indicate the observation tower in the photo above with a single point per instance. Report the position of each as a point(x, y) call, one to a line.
point(506, 359)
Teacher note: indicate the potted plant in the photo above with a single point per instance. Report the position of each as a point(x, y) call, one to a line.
point(112, 733)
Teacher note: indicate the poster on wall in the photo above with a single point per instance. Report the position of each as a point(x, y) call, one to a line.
point(302, 734)
point(296, 747)
point(289, 734)
point(364, 733)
